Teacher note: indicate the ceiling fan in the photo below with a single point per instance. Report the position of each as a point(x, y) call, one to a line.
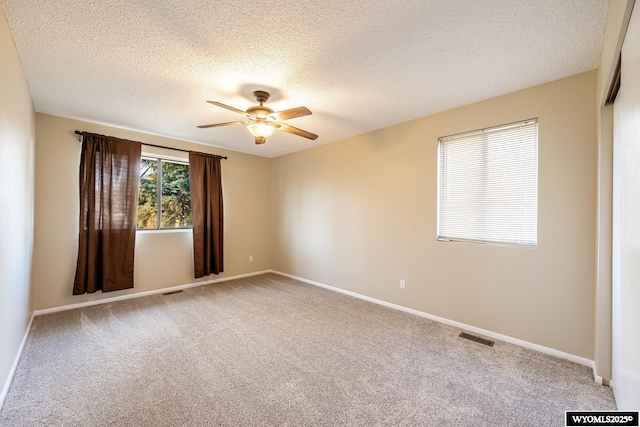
point(262, 121)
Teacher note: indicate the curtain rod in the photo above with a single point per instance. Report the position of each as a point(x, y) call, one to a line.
point(159, 146)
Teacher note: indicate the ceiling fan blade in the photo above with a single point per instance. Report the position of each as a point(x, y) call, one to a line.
point(228, 107)
point(296, 131)
point(222, 124)
point(291, 113)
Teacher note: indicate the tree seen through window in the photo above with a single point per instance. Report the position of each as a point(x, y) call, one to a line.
point(168, 189)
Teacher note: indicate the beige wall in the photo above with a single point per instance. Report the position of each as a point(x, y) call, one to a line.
point(163, 259)
point(16, 203)
point(360, 214)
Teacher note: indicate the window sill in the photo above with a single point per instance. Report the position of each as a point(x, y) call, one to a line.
point(487, 243)
point(165, 230)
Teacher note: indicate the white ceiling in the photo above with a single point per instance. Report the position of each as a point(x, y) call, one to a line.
point(359, 65)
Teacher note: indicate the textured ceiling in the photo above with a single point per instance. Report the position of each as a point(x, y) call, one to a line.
point(359, 65)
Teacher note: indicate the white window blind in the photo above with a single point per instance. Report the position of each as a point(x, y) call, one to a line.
point(488, 185)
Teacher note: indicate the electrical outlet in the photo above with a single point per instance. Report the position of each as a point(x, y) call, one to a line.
point(402, 284)
point(250, 258)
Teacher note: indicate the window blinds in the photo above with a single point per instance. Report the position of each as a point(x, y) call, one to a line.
point(488, 185)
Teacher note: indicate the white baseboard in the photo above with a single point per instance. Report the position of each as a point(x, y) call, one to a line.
point(542, 349)
point(145, 293)
point(12, 371)
point(597, 378)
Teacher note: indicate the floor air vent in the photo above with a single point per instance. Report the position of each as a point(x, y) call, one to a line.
point(476, 339)
point(173, 292)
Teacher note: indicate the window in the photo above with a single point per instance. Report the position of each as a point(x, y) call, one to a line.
point(488, 185)
point(164, 194)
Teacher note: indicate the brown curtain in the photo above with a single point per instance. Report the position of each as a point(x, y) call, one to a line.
point(109, 180)
point(206, 207)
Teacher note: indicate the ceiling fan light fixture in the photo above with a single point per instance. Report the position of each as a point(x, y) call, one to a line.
point(262, 121)
point(261, 129)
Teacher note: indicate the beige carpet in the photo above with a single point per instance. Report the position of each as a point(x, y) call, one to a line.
point(271, 351)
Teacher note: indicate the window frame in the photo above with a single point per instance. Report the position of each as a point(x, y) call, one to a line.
point(163, 158)
point(444, 140)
